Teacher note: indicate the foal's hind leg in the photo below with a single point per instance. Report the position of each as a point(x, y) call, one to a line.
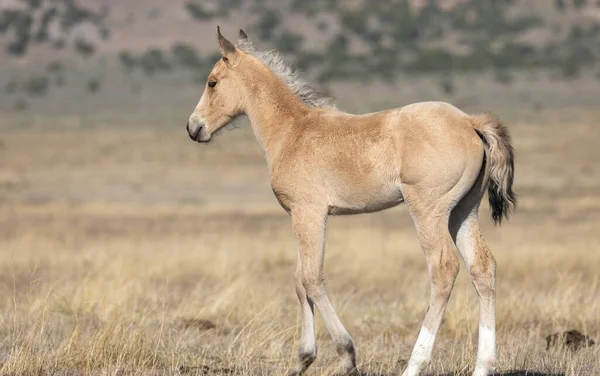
point(482, 271)
point(442, 263)
point(309, 227)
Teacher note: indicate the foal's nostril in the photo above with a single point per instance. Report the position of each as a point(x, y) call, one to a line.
point(187, 126)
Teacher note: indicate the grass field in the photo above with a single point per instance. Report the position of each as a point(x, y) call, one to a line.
point(135, 251)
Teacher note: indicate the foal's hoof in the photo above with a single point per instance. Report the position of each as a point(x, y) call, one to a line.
point(305, 359)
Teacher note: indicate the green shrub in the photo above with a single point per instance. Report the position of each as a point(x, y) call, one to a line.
point(22, 26)
point(8, 18)
point(154, 60)
point(55, 67)
point(570, 68)
point(504, 77)
point(225, 6)
point(84, 48)
point(93, 85)
point(447, 85)
point(74, 15)
point(355, 21)
point(186, 56)
point(267, 24)
point(36, 86)
point(127, 60)
point(197, 11)
point(21, 105)
point(34, 3)
point(47, 17)
point(289, 42)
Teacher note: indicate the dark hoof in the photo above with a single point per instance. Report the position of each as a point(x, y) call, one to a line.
point(305, 359)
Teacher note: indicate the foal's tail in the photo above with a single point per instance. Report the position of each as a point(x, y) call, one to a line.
point(500, 155)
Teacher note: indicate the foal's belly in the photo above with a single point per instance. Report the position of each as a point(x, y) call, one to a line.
point(354, 201)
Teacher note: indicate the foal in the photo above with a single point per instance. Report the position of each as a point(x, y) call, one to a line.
point(322, 162)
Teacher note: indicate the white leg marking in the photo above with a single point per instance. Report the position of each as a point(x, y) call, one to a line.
point(421, 354)
point(486, 352)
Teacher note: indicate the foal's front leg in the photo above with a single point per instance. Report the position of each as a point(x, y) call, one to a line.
point(308, 342)
point(309, 228)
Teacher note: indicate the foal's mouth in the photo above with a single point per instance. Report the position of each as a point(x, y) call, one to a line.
point(197, 135)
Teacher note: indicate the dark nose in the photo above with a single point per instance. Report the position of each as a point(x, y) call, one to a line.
point(195, 135)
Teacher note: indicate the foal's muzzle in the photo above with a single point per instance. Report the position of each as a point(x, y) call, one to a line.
point(196, 133)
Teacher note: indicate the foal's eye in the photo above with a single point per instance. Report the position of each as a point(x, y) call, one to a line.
point(212, 83)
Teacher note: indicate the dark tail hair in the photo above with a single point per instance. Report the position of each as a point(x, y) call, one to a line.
point(501, 158)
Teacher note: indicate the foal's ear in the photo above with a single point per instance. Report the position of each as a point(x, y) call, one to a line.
point(227, 48)
point(242, 36)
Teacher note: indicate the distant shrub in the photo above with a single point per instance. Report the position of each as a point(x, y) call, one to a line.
point(55, 67)
point(22, 25)
point(197, 11)
point(355, 21)
point(59, 44)
point(434, 60)
point(127, 60)
point(289, 42)
point(73, 15)
point(503, 77)
point(570, 68)
point(21, 105)
point(56, 70)
point(225, 6)
point(93, 85)
point(47, 17)
point(267, 24)
point(447, 85)
point(36, 86)
point(84, 48)
point(154, 60)
point(34, 3)
point(186, 56)
point(8, 18)
point(306, 60)
point(386, 64)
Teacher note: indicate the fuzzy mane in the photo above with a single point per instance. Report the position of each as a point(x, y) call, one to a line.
point(308, 94)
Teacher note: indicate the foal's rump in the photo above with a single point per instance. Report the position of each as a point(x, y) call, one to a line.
point(443, 144)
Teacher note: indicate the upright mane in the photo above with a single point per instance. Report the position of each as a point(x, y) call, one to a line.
point(307, 93)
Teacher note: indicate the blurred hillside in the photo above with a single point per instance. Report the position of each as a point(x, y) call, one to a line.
point(56, 53)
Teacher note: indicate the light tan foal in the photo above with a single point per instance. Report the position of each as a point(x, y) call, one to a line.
point(322, 162)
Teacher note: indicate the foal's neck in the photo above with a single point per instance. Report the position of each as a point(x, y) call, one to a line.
point(273, 111)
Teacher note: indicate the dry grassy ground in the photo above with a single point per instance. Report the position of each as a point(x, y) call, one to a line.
point(136, 251)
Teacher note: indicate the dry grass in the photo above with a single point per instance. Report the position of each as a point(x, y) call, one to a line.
point(139, 252)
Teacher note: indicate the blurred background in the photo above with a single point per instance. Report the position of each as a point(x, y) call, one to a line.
point(128, 248)
point(88, 57)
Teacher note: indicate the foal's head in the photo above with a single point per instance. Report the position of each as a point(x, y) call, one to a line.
point(224, 95)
